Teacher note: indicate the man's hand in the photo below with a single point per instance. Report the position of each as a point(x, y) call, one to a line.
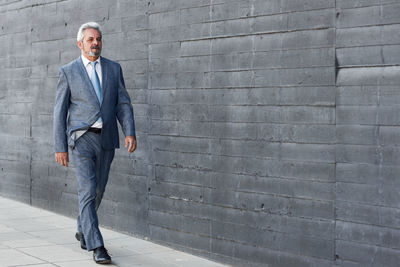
point(130, 143)
point(62, 158)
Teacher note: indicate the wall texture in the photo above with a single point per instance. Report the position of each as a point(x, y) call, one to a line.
point(268, 131)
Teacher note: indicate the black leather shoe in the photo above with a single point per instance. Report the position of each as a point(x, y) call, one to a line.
point(79, 237)
point(100, 255)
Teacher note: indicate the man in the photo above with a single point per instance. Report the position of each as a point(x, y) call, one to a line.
point(90, 97)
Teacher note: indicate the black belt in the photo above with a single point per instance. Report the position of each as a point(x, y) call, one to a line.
point(95, 130)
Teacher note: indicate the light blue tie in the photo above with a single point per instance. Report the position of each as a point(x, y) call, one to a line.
point(95, 81)
point(96, 85)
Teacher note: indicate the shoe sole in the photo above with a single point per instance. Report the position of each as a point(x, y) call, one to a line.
point(103, 262)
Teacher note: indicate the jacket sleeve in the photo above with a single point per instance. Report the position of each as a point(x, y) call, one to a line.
point(124, 108)
point(60, 113)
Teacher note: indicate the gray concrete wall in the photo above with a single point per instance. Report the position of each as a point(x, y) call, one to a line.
point(267, 130)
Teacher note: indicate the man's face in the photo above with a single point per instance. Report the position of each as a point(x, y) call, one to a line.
point(91, 44)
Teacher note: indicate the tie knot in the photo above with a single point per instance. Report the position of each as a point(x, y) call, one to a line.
point(93, 63)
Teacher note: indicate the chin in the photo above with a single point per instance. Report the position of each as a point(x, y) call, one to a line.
point(91, 54)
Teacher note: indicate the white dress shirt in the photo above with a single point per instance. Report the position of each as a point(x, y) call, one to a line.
point(89, 70)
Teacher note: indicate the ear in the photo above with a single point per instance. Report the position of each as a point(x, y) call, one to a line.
point(80, 44)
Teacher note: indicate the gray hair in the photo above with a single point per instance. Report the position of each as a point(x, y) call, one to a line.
point(87, 25)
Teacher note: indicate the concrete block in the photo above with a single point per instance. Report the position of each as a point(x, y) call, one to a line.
point(132, 23)
point(356, 115)
point(357, 96)
point(245, 114)
point(179, 238)
point(195, 128)
point(164, 50)
point(164, 19)
point(266, 8)
point(305, 152)
point(359, 173)
point(162, 35)
point(390, 13)
point(314, 96)
point(312, 115)
point(190, 80)
point(195, 48)
point(310, 247)
point(273, 23)
point(231, 10)
point(248, 148)
point(158, 6)
point(243, 96)
point(250, 166)
point(162, 80)
point(299, 5)
point(367, 234)
point(188, 96)
point(385, 116)
point(291, 58)
point(196, 15)
point(179, 222)
point(177, 144)
point(15, 125)
point(364, 254)
point(137, 36)
point(390, 196)
point(182, 176)
point(357, 3)
point(389, 135)
point(223, 79)
point(388, 175)
point(363, 16)
point(308, 39)
point(390, 54)
point(390, 34)
point(324, 76)
point(302, 170)
point(356, 154)
point(356, 134)
point(368, 214)
point(194, 31)
point(295, 40)
point(229, 45)
point(232, 61)
point(177, 191)
point(234, 130)
point(360, 36)
point(165, 64)
point(360, 56)
point(231, 27)
point(314, 19)
point(359, 193)
point(314, 134)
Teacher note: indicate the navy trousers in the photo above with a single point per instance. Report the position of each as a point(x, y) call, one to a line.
point(92, 166)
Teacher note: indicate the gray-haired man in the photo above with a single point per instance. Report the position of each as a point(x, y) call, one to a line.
point(90, 97)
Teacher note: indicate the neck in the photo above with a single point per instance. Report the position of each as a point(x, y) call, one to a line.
point(91, 58)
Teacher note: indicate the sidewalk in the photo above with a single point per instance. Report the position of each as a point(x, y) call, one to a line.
point(34, 237)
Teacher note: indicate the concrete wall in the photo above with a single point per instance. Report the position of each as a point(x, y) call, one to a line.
point(267, 130)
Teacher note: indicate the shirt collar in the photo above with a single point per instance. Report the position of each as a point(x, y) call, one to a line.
point(87, 61)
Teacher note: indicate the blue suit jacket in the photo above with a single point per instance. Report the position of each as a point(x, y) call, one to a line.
point(77, 107)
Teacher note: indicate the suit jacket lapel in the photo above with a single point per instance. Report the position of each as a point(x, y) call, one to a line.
point(86, 79)
point(104, 81)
